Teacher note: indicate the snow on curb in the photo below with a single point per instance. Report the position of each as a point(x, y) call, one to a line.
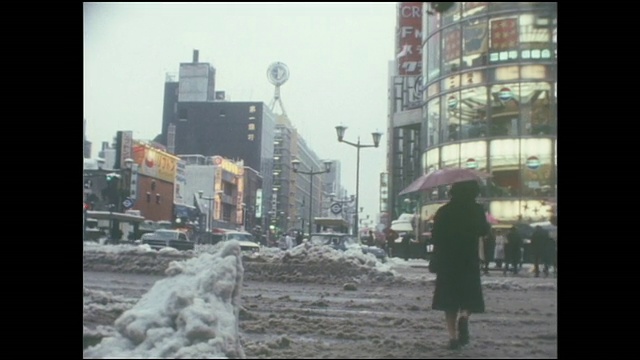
point(192, 312)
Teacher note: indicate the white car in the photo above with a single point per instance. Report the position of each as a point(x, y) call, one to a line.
point(248, 243)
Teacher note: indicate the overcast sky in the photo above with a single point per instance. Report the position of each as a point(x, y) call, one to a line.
point(337, 54)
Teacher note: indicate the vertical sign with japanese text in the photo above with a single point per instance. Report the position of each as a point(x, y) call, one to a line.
point(409, 38)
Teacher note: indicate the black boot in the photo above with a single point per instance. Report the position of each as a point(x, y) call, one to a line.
point(463, 330)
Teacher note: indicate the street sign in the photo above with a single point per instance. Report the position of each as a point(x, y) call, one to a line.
point(336, 208)
point(127, 203)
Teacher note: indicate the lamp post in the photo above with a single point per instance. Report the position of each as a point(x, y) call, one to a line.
point(327, 168)
point(340, 130)
point(244, 216)
point(209, 221)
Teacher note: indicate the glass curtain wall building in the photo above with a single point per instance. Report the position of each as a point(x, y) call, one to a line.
point(491, 102)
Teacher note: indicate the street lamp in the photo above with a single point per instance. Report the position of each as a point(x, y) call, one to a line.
point(209, 221)
point(295, 163)
point(244, 216)
point(376, 141)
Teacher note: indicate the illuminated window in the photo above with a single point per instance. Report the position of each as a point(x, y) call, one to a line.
point(251, 137)
point(451, 155)
point(252, 108)
point(473, 113)
point(521, 167)
point(505, 109)
point(536, 110)
point(432, 160)
point(433, 122)
point(473, 155)
point(252, 127)
point(450, 117)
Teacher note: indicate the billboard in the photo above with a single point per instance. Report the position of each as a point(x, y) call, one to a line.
point(180, 183)
point(409, 38)
point(236, 168)
point(258, 203)
point(154, 163)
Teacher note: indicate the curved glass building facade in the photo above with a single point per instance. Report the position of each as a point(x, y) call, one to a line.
point(490, 102)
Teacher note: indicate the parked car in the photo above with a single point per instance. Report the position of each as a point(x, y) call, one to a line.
point(168, 238)
point(248, 242)
point(342, 242)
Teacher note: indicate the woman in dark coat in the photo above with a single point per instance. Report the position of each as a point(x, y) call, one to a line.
point(457, 227)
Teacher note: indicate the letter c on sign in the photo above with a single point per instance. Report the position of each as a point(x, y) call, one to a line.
point(405, 10)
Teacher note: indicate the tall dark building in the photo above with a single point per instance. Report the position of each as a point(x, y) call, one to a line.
point(195, 123)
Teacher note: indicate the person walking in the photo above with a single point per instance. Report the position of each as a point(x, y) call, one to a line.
point(514, 250)
point(499, 251)
point(288, 240)
point(487, 244)
point(457, 228)
point(391, 238)
point(406, 245)
point(541, 244)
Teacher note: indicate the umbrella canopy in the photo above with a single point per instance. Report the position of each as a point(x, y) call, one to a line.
point(445, 176)
point(491, 220)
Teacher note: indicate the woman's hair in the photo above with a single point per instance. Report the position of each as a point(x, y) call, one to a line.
point(467, 190)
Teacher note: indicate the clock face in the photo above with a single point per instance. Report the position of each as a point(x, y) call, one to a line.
point(278, 73)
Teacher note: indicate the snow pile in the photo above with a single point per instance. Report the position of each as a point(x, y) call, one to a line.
point(89, 246)
point(130, 258)
point(319, 254)
point(191, 314)
point(100, 307)
point(517, 284)
point(314, 263)
point(304, 263)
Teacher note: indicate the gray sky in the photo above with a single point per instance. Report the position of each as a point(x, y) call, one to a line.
point(337, 54)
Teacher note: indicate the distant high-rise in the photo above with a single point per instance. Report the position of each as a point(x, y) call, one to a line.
point(86, 145)
point(195, 123)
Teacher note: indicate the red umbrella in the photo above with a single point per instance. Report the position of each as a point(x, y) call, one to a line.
point(445, 176)
point(491, 220)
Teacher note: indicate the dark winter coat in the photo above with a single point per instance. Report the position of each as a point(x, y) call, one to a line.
point(513, 250)
point(457, 227)
point(540, 241)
